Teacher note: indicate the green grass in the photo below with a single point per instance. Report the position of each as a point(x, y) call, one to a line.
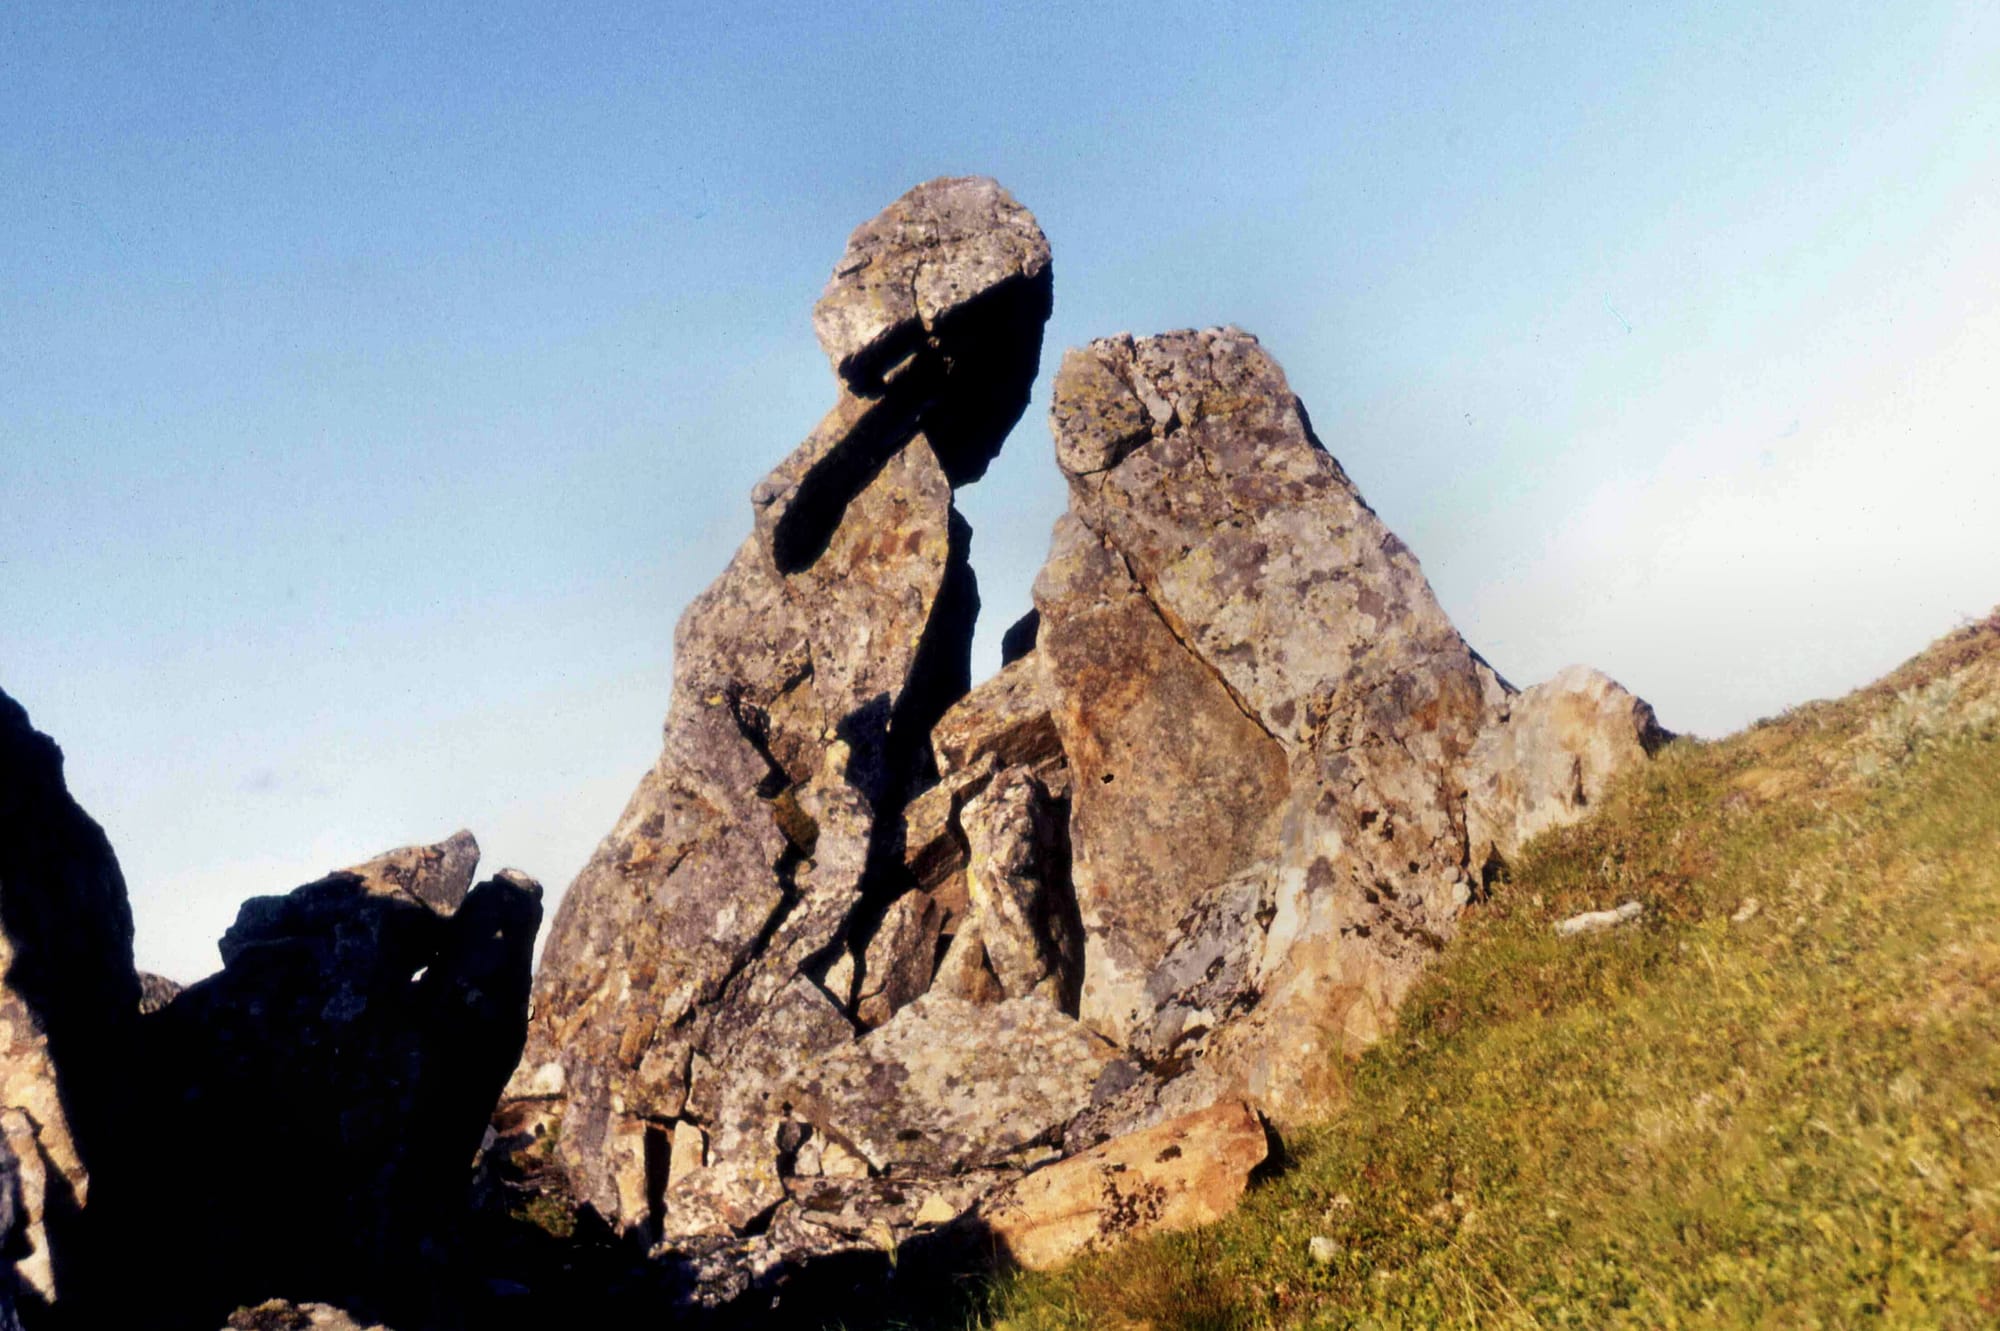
point(1792, 1120)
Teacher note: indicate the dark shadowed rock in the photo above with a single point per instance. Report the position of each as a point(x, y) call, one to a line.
point(350, 1051)
point(69, 1006)
point(1019, 639)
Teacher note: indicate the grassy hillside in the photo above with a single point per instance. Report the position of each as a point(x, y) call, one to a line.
point(1775, 1100)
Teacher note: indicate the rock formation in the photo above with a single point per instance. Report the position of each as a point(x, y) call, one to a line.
point(867, 947)
point(873, 959)
point(1272, 728)
point(753, 910)
point(312, 1111)
point(69, 1006)
point(350, 1051)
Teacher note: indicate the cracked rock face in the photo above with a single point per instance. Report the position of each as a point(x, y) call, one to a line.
point(868, 948)
point(1271, 725)
point(755, 906)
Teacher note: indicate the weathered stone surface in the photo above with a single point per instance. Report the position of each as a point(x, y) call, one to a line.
point(879, 1211)
point(436, 877)
point(156, 991)
point(1550, 758)
point(1006, 719)
point(351, 1050)
point(1017, 881)
point(1174, 788)
point(284, 1315)
point(758, 891)
point(931, 256)
point(964, 972)
point(1270, 725)
point(900, 957)
point(69, 1005)
point(1189, 1171)
point(1210, 971)
point(1247, 537)
point(748, 1116)
point(948, 1084)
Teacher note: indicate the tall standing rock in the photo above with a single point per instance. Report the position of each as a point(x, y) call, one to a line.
point(722, 934)
point(69, 1004)
point(1271, 724)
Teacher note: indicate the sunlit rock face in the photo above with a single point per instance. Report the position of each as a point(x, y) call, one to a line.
point(1272, 728)
point(754, 909)
point(869, 945)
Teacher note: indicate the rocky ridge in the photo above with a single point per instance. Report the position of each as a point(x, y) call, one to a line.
point(328, 1088)
point(871, 949)
point(874, 961)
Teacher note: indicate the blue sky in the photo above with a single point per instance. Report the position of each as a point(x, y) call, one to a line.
point(377, 382)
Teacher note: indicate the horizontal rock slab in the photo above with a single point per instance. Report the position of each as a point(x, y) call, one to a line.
point(949, 1084)
point(1188, 1171)
point(1007, 717)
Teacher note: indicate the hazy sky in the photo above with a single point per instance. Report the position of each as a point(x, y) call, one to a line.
point(377, 382)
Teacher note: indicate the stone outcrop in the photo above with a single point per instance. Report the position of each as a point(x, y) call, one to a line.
point(312, 1110)
point(869, 948)
point(1272, 728)
point(1187, 1171)
point(350, 1051)
point(874, 961)
point(760, 905)
point(69, 1007)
